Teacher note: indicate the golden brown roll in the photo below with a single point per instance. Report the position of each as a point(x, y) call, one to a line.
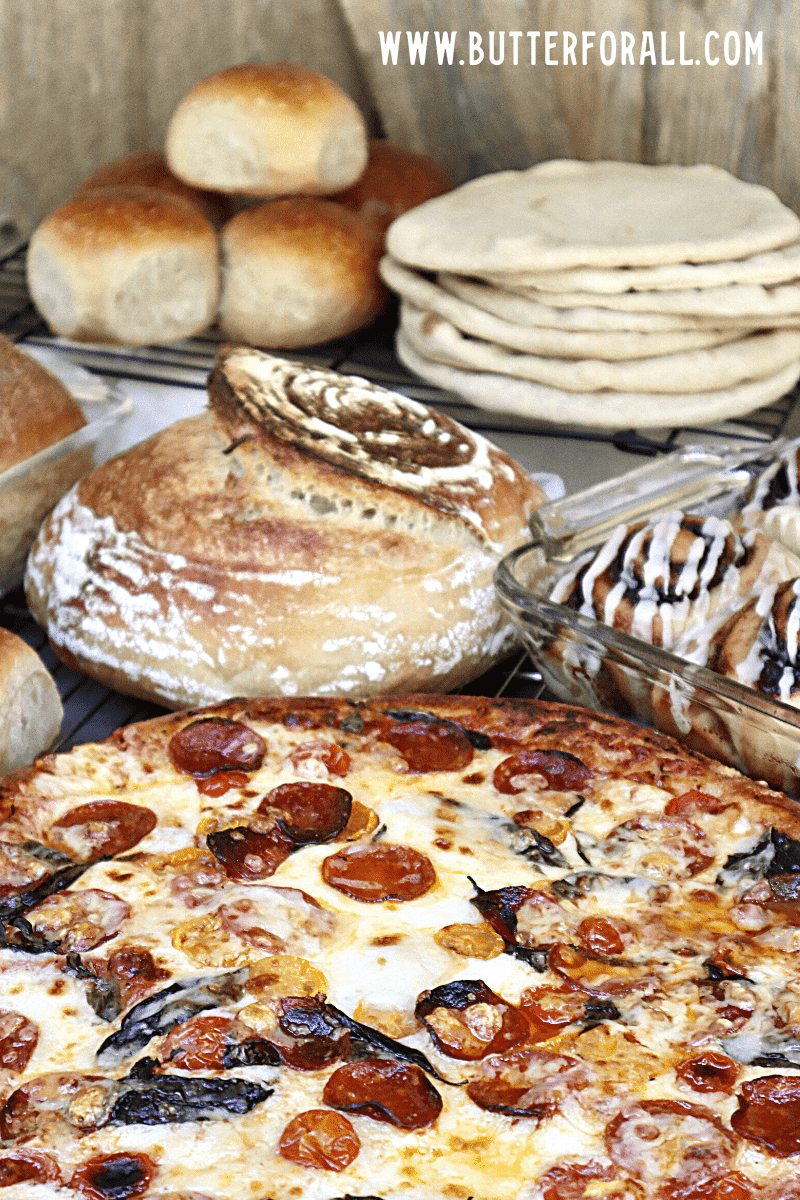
point(394, 181)
point(30, 706)
point(36, 409)
point(267, 129)
point(148, 168)
point(129, 265)
point(298, 271)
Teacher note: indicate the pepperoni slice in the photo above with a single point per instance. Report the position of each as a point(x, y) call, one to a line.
point(467, 1020)
point(221, 782)
point(428, 744)
point(136, 972)
point(524, 1082)
point(216, 744)
point(199, 1044)
point(397, 1093)
point(571, 1181)
point(19, 869)
point(78, 921)
point(114, 1176)
point(598, 974)
point(708, 1071)
point(335, 760)
point(379, 872)
point(650, 1139)
point(27, 1166)
point(101, 829)
point(695, 801)
point(311, 812)
point(561, 771)
point(769, 1114)
point(549, 1010)
point(18, 1038)
point(732, 1185)
point(320, 1138)
point(600, 936)
point(248, 854)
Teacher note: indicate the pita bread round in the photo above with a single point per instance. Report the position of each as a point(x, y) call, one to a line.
point(563, 214)
point(774, 266)
point(755, 356)
point(738, 302)
point(522, 309)
point(597, 410)
point(558, 343)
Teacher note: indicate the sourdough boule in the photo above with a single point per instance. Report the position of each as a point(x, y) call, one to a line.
point(309, 533)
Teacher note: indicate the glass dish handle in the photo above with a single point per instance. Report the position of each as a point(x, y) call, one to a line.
point(683, 479)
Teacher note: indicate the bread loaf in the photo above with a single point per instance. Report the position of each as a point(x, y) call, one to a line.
point(267, 129)
point(310, 533)
point(36, 409)
point(128, 265)
point(296, 272)
point(148, 168)
point(394, 181)
point(30, 707)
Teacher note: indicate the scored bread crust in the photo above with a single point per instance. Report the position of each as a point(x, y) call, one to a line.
point(309, 533)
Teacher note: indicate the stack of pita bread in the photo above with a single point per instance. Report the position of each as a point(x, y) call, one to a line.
point(602, 294)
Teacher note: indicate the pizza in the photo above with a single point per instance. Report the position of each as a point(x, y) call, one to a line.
point(421, 948)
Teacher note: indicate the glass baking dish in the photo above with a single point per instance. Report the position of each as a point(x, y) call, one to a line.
point(31, 488)
point(586, 662)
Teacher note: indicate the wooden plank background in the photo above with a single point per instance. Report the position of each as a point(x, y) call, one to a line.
point(85, 81)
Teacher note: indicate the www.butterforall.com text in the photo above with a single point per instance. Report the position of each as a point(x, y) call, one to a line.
point(554, 48)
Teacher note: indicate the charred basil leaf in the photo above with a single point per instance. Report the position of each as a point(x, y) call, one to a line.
point(533, 956)
point(255, 1052)
point(717, 973)
point(479, 741)
point(23, 902)
point(103, 995)
point(381, 1041)
point(499, 908)
point(595, 1012)
point(776, 853)
point(161, 1099)
point(159, 1013)
point(534, 846)
point(18, 934)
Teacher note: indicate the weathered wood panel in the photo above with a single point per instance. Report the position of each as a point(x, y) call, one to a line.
point(83, 81)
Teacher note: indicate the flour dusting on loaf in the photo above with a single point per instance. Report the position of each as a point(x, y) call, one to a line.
point(310, 533)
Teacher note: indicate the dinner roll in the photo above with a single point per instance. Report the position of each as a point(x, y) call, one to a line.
point(30, 707)
point(394, 181)
point(148, 168)
point(267, 129)
point(298, 271)
point(129, 265)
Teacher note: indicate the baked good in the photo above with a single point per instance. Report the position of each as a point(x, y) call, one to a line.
point(394, 180)
point(128, 265)
point(660, 579)
point(36, 409)
point(148, 168)
point(267, 129)
point(36, 412)
point(298, 271)
point(441, 947)
point(565, 213)
point(310, 532)
point(30, 706)
point(608, 409)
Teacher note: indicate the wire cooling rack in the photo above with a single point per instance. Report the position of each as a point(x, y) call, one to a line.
point(92, 711)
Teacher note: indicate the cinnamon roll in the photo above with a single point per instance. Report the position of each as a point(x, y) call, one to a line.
point(658, 580)
point(760, 644)
point(773, 502)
